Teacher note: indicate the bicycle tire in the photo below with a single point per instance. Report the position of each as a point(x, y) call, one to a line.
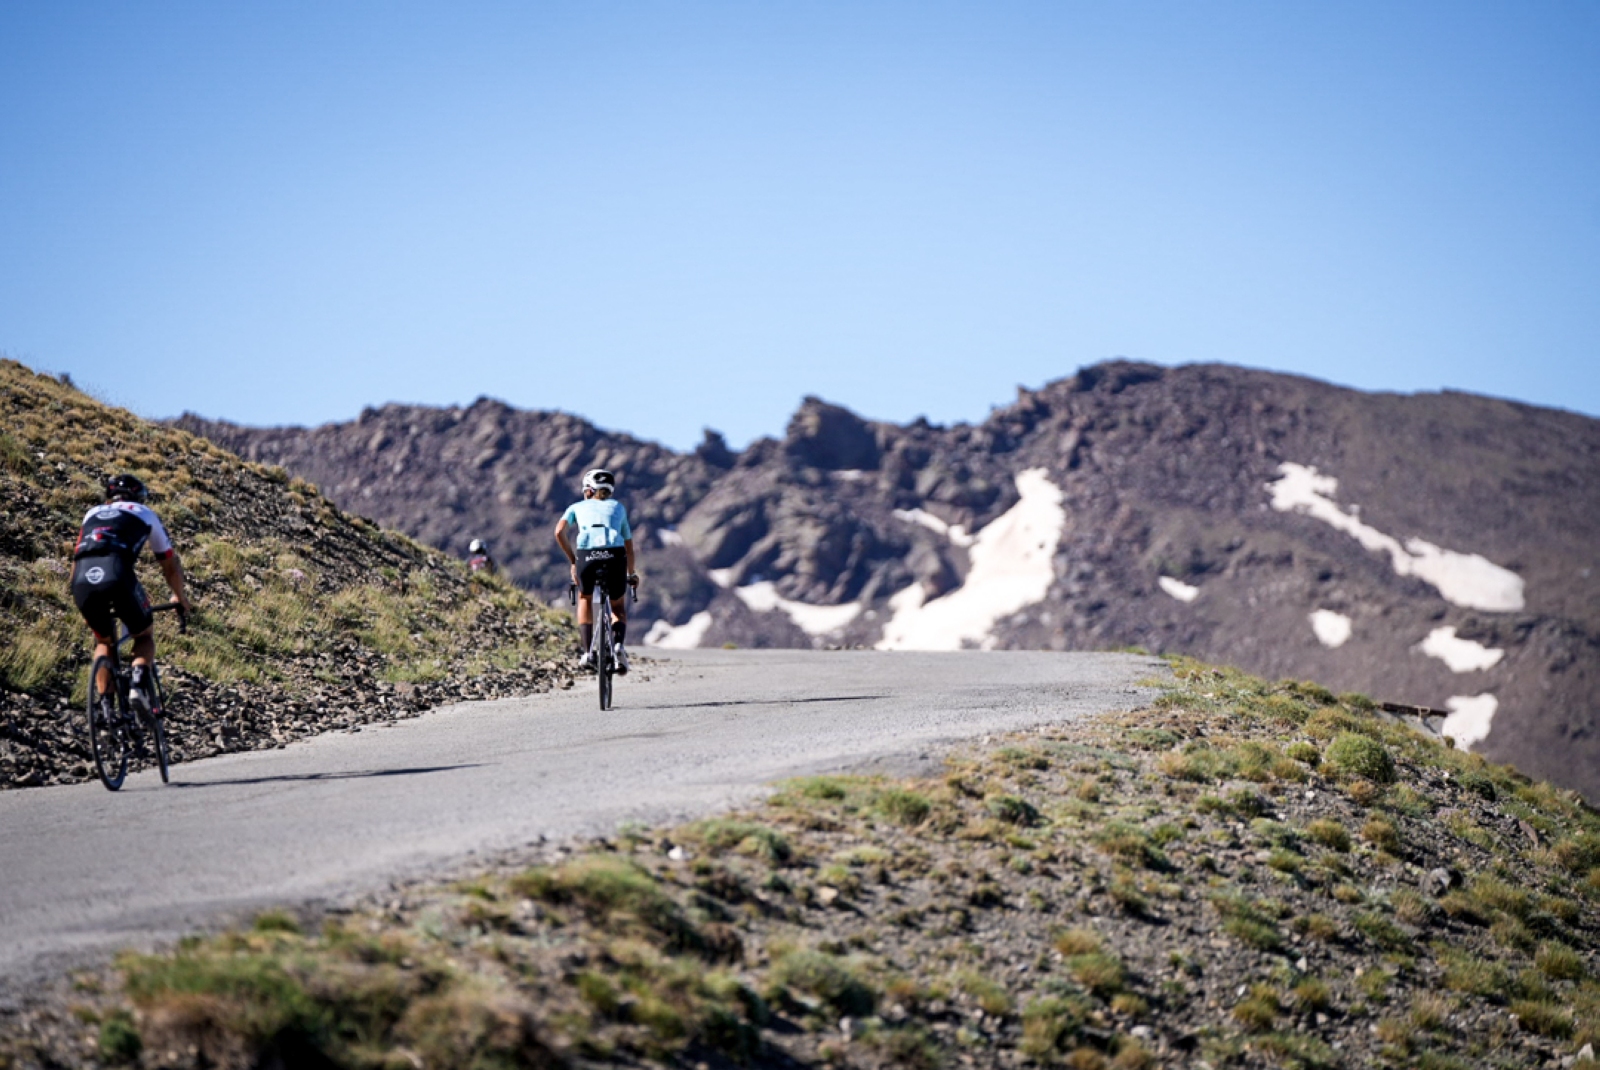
point(603, 659)
point(108, 735)
point(158, 726)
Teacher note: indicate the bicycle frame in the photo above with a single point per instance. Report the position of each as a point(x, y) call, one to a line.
point(116, 725)
point(600, 644)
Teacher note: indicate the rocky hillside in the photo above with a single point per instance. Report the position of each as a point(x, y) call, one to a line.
point(307, 618)
point(1434, 549)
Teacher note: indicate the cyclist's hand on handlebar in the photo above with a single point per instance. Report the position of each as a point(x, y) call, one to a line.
point(633, 583)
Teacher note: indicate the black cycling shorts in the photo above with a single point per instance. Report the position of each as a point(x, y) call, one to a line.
point(106, 590)
point(607, 567)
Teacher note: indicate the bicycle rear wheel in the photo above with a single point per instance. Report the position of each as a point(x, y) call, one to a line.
point(108, 733)
point(157, 723)
point(605, 661)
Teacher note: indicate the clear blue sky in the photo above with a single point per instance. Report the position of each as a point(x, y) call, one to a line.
point(664, 216)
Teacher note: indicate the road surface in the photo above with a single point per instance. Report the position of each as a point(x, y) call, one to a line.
point(84, 871)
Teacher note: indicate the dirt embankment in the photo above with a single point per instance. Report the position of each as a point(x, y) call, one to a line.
point(308, 618)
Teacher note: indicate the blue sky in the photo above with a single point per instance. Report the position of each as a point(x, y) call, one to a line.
point(665, 216)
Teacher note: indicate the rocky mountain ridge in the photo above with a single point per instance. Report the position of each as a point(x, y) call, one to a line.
point(1435, 549)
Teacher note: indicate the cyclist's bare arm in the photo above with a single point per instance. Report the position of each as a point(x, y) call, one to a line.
point(566, 547)
point(172, 569)
point(627, 547)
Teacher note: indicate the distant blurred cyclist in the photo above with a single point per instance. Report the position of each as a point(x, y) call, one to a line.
point(104, 584)
point(601, 552)
point(478, 559)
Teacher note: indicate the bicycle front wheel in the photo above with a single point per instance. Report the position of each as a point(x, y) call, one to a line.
point(108, 733)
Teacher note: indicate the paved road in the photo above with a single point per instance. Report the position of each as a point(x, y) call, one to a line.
point(83, 871)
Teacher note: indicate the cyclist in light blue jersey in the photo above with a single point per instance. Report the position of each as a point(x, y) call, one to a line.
point(598, 541)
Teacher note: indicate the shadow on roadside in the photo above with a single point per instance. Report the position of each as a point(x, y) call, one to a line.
point(350, 775)
point(757, 702)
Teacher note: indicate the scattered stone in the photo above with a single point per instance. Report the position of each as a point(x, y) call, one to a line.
point(1439, 881)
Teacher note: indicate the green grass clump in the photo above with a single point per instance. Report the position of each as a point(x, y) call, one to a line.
point(1050, 1025)
point(14, 456)
point(1076, 941)
point(1329, 833)
point(835, 981)
point(1248, 922)
point(908, 808)
point(1381, 931)
point(1129, 843)
point(746, 837)
point(1353, 754)
point(1578, 853)
point(1381, 834)
point(613, 892)
point(248, 993)
point(820, 787)
point(991, 996)
point(1258, 1010)
point(1099, 972)
point(1302, 751)
point(1559, 962)
point(119, 1040)
point(1545, 1017)
point(1012, 809)
point(1312, 994)
point(1153, 738)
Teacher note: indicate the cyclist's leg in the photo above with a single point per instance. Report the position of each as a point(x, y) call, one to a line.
point(616, 586)
point(619, 617)
point(587, 574)
point(133, 606)
point(95, 603)
point(103, 649)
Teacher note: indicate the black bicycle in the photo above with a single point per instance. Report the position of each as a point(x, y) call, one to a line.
point(120, 720)
point(603, 647)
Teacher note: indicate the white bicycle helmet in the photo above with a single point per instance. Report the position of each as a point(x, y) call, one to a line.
point(475, 546)
point(596, 478)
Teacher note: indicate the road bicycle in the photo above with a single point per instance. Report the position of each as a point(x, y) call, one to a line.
point(603, 647)
point(119, 721)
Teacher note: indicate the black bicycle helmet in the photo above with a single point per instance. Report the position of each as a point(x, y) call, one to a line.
point(597, 478)
point(126, 488)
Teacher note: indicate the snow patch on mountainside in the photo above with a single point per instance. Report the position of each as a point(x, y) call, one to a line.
point(815, 621)
point(1464, 579)
point(1462, 655)
point(685, 636)
point(1332, 629)
point(1470, 718)
point(956, 533)
point(1178, 589)
point(1012, 568)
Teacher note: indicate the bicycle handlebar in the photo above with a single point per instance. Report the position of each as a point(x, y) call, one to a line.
point(183, 615)
point(572, 592)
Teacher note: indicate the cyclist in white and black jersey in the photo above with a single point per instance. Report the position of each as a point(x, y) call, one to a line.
point(104, 584)
point(600, 550)
point(478, 559)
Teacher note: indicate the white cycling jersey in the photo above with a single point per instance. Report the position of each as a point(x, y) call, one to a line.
point(121, 528)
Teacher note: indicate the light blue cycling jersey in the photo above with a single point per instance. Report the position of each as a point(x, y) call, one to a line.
point(600, 524)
